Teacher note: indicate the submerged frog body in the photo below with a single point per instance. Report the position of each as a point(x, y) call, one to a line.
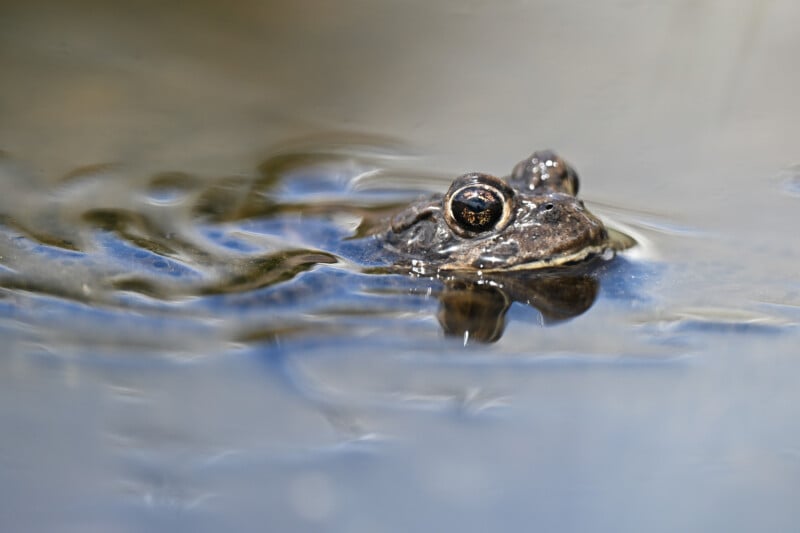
point(530, 220)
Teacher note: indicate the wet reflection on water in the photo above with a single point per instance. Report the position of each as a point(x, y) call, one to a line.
point(219, 248)
point(476, 309)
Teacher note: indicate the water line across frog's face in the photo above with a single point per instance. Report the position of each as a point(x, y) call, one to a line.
point(530, 220)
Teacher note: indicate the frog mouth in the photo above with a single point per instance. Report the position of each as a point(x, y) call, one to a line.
point(614, 241)
point(568, 258)
point(551, 261)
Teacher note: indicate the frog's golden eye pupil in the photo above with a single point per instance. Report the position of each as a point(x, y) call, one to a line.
point(477, 209)
point(477, 204)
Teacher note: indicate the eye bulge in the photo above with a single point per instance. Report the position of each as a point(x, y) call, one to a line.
point(545, 169)
point(478, 203)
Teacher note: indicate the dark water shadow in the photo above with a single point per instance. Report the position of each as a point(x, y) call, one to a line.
point(475, 309)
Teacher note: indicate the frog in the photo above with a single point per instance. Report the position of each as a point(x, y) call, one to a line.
point(529, 220)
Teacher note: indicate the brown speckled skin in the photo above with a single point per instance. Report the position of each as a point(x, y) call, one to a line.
point(549, 226)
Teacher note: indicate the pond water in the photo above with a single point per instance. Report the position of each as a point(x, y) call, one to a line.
point(199, 332)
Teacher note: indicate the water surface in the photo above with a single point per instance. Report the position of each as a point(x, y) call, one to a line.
point(199, 336)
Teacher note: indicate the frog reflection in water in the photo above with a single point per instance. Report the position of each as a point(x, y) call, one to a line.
point(526, 238)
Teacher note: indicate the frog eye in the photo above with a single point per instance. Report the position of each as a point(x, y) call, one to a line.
point(477, 203)
point(546, 171)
